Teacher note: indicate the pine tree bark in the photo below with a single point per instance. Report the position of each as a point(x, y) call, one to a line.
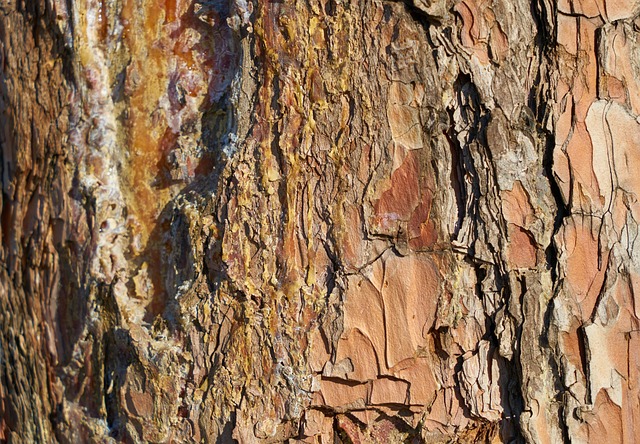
point(319, 221)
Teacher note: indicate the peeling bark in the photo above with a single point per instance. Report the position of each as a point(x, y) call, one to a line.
point(319, 221)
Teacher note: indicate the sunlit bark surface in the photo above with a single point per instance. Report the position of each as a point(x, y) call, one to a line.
point(319, 221)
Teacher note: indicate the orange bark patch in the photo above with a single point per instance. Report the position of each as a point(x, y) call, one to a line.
point(522, 250)
point(418, 372)
point(421, 229)
point(358, 348)
point(338, 394)
point(410, 293)
point(389, 391)
point(604, 422)
point(586, 264)
point(516, 207)
point(481, 32)
point(580, 153)
point(398, 202)
point(572, 346)
point(406, 204)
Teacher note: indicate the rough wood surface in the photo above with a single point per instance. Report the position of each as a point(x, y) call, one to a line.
point(319, 221)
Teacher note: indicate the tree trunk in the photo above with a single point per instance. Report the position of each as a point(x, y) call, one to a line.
point(319, 221)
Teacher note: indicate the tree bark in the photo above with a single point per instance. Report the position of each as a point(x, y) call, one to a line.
point(319, 221)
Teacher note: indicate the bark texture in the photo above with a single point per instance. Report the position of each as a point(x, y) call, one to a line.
point(320, 221)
